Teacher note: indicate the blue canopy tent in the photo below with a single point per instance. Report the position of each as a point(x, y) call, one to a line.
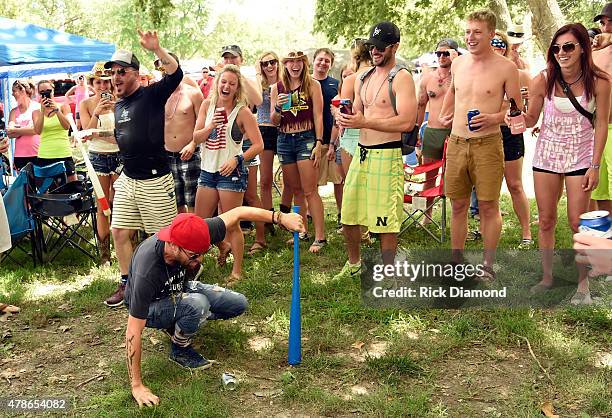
point(28, 50)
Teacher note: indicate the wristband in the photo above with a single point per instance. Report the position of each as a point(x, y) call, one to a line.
point(595, 166)
point(277, 109)
point(319, 140)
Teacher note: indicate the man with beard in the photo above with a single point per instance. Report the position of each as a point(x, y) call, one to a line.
point(475, 155)
point(163, 294)
point(432, 89)
point(603, 59)
point(374, 187)
point(144, 192)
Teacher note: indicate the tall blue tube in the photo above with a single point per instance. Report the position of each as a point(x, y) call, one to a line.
point(295, 319)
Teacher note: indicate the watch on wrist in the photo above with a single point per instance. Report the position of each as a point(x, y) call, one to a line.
point(595, 166)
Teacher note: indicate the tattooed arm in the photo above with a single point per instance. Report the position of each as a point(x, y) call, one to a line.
point(133, 350)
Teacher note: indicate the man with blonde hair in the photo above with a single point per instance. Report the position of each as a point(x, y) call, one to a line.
point(480, 80)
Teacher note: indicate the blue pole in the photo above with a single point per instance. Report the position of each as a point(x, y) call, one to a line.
point(295, 318)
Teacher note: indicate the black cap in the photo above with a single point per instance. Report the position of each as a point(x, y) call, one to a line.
point(384, 34)
point(123, 58)
point(606, 11)
point(232, 49)
point(449, 43)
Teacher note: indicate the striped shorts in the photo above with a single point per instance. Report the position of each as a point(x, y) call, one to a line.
point(148, 205)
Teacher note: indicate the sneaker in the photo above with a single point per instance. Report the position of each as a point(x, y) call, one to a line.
point(116, 299)
point(188, 358)
point(349, 270)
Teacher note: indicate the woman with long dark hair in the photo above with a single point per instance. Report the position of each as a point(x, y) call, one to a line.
point(297, 108)
point(569, 147)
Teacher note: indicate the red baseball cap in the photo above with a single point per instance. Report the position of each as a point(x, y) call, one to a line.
point(189, 232)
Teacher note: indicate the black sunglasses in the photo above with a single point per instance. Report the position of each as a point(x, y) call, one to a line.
point(515, 34)
point(120, 72)
point(566, 47)
point(372, 46)
point(269, 62)
point(442, 54)
point(190, 257)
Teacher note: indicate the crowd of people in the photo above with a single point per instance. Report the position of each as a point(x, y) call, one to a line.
point(181, 160)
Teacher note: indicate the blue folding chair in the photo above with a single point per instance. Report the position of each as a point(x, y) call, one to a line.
point(21, 222)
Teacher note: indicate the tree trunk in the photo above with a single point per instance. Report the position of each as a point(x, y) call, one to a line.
point(500, 8)
point(547, 18)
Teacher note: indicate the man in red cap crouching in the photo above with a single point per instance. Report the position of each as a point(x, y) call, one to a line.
point(160, 293)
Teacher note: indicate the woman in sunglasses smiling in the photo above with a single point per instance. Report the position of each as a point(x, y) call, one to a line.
point(297, 107)
point(268, 74)
point(569, 147)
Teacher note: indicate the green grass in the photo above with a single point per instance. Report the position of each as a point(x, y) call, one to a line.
point(356, 360)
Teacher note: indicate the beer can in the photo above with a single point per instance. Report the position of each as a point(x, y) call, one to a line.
point(470, 114)
point(596, 223)
point(229, 381)
point(223, 113)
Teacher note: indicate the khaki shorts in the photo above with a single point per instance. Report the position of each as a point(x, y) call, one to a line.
point(147, 205)
point(477, 162)
point(328, 170)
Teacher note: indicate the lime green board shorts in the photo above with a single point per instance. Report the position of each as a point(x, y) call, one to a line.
point(603, 191)
point(374, 190)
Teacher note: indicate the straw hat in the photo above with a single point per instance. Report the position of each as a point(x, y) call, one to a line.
point(294, 55)
point(98, 71)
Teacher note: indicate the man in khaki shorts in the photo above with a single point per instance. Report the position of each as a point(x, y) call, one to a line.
point(374, 186)
point(144, 192)
point(475, 157)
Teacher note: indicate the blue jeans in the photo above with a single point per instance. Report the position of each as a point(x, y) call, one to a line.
point(473, 203)
point(294, 147)
point(198, 302)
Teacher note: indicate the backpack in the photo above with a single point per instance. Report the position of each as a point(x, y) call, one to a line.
point(409, 139)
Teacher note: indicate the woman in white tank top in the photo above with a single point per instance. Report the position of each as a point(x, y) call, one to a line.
point(569, 147)
point(223, 179)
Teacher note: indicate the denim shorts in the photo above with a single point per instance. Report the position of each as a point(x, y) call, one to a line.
point(253, 162)
point(235, 182)
point(105, 164)
point(295, 147)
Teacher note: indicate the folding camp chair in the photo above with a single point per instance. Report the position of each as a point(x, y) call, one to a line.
point(20, 220)
point(420, 199)
point(63, 211)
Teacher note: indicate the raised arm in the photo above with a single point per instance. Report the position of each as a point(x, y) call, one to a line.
point(150, 42)
point(133, 352)
point(253, 92)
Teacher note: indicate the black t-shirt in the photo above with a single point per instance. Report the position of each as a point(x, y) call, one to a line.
point(329, 86)
point(139, 128)
point(151, 279)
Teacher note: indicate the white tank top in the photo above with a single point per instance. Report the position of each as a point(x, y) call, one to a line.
point(221, 146)
point(106, 122)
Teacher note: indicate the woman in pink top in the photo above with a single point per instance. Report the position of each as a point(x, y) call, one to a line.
point(569, 147)
point(81, 92)
point(21, 125)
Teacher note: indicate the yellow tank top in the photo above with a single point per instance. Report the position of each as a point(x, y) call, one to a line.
point(54, 141)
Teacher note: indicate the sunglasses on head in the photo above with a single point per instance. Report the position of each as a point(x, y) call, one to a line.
point(566, 47)
point(191, 256)
point(269, 62)
point(121, 72)
point(295, 54)
point(442, 54)
point(498, 43)
point(358, 41)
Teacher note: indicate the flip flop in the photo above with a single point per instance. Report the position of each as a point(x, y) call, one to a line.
point(257, 247)
point(488, 275)
point(302, 235)
point(317, 245)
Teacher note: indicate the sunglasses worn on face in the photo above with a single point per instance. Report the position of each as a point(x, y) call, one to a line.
point(516, 34)
point(442, 54)
point(190, 256)
point(566, 47)
point(371, 47)
point(121, 72)
point(269, 62)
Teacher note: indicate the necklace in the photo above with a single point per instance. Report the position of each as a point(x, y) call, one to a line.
point(442, 80)
point(577, 80)
point(176, 102)
point(365, 102)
